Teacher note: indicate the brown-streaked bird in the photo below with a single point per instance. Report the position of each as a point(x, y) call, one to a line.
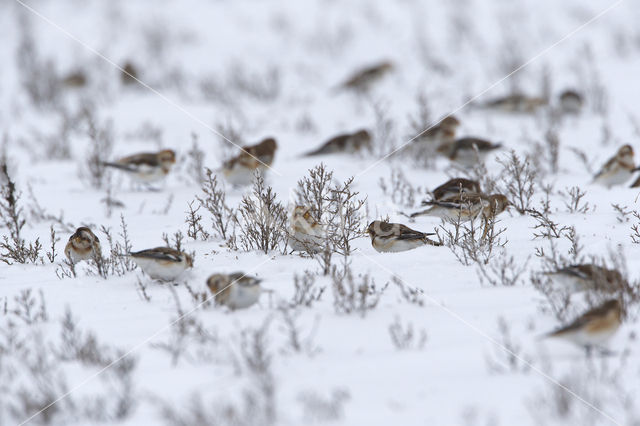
point(162, 263)
point(363, 79)
point(593, 328)
point(571, 102)
point(146, 167)
point(467, 206)
point(454, 187)
point(236, 290)
point(240, 169)
point(587, 276)
point(396, 237)
point(348, 143)
point(517, 103)
point(468, 151)
point(305, 233)
point(443, 133)
point(618, 169)
point(83, 245)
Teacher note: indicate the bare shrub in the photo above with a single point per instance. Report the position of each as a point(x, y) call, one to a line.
point(262, 86)
point(336, 207)
point(195, 230)
point(574, 203)
point(38, 75)
point(296, 341)
point(502, 271)
point(37, 213)
point(306, 293)
point(263, 225)
point(101, 140)
point(404, 337)
point(507, 357)
point(622, 213)
point(28, 308)
point(195, 161)
point(213, 200)
point(354, 294)
point(518, 179)
point(400, 190)
point(411, 295)
point(469, 244)
point(384, 131)
point(15, 248)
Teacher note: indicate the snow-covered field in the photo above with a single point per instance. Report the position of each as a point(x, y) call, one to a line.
point(459, 350)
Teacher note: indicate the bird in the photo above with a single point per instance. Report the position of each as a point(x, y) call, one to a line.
point(468, 150)
point(74, 80)
point(83, 245)
point(453, 187)
point(396, 237)
point(467, 206)
point(588, 276)
point(240, 169)
point(306, 234)
point(363, 79)
point(593, 328)
point(236, 290)
point(442, 133)
point(146, 167)
point(618, 169)
point(348, 142)
point(571, 102)
point(162, 263)
point(517, 102)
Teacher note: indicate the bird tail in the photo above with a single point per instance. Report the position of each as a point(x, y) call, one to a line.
point(116, 166)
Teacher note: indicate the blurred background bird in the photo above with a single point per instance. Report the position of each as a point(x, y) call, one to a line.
point(571, 102)
point(593, 328)
point(468, 151)
point(240, 169)
point(236, 290)
point(515, 103)
point(345, 143)
point(146, 167)
point(396, 237)
point(162, 263)
point(454, 187)
point(363, 79)
point(588, 276)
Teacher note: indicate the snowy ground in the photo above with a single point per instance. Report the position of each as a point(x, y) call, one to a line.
point(204, 61)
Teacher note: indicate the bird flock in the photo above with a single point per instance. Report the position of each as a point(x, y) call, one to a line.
point(455, 201)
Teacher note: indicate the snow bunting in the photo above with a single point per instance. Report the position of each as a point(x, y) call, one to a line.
point(594, 327)
point(240, 169)
point(571, 102)
point(162, 263)
point(236, 291)
point(443, 133)
point(618, 169)
point(468, 151)
point(305, 233)
point(588, 276)
point(454, 187)
point(362, 80)
point(348, 143)
point(83, 245)
point(517, 102)
point(465, 206)
point(395, 237)
point(146, 167)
